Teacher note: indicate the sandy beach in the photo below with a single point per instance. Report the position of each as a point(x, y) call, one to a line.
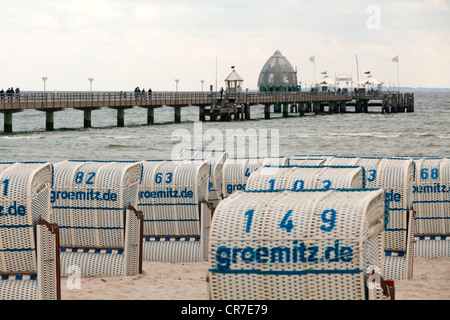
point(187, 281)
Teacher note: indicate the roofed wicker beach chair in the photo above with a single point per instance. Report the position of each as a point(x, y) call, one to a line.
point(236, 171)
point(294, 177)
point(29, 244)
point(370, 165)
point(173, 197)
point(217, 159)
point(94, 203)
point(431, 201)
point(302, 245)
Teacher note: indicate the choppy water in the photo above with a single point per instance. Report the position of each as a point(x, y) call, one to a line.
point(426, 132)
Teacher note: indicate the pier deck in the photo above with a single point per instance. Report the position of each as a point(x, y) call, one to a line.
point(211, 104)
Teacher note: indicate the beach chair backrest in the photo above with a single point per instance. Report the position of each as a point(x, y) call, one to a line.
point(24, 200)
point(170, 195)
point(89, 200)
point(217, 159)
point(306, 177)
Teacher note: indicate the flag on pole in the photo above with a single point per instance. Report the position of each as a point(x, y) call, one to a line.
point(395, 59)
point(367, 72)
point(312, 59)
point(324, 72)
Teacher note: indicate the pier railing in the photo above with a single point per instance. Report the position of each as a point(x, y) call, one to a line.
point(59, 100)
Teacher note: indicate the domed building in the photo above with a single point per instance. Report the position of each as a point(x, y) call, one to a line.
point(277, 74)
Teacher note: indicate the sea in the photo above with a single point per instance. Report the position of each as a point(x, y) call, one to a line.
point(424, 132)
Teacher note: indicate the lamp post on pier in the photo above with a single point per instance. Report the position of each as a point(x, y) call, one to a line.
point(44, 78)
point(176, 80)
point(202, 83)
point(90, 80)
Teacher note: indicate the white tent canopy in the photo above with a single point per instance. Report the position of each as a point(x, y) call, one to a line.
point(370, 81)
point(326, 81)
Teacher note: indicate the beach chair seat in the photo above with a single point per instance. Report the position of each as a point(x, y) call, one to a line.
point(310, 245)
point(176, 221)
point(94, 203)
point(29, 244)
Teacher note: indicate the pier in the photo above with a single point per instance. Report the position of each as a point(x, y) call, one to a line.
point(212, 105)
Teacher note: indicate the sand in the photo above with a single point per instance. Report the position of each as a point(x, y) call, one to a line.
point(187, 281)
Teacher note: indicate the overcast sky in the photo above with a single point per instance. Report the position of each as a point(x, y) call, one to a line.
point(124, 44)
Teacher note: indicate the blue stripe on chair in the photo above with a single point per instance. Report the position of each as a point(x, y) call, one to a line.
point(176, 239)
point(168, 204)
point(103, 251)
point(17, 226)
point(431, 218)
point(17, 249)
point(93, 228)
point(19, 277)
point(431, 201)
point(431, 238)
point(285, 272)
point(394, 254)
point(166, 220)
point(86, 208)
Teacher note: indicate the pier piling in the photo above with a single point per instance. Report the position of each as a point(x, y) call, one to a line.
point(177, 114)
point(150, 115)
point(87, 118)
point(8, 121)
point(120, 117)
point(49, 120)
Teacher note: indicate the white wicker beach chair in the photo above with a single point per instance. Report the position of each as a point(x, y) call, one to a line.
point(431, 201)
point(395, 176)
point(370, 165)
point(176, 220)
point(294, 177)
point(296, 244)
point(29, 244)
point(94, 204)
point(217, 159)
point(236, 171)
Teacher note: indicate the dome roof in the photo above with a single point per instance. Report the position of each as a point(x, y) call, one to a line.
point(277, 72)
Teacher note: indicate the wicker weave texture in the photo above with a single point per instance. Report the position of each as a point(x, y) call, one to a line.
point(217, 159)
point(294, 177)
point(26, 250)
point(236, 171)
